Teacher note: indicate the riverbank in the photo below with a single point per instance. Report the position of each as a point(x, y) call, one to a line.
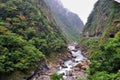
point(53, 63)
point(72, 65)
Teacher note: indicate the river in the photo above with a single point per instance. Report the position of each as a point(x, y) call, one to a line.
point(73, 68)
point(67, 68)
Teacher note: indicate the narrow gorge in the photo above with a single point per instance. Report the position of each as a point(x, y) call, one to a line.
point(71, 68)
point(43, 40)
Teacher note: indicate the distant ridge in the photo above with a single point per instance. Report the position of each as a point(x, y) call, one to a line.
point(69, 22)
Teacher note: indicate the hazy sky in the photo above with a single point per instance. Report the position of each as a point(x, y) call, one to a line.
point(118, 1)
point(82, 7)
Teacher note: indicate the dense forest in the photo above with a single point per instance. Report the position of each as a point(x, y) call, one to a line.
point(28, 33)
point(31, 31)
point(102, 40)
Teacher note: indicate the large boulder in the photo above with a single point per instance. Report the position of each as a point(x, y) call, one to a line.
point(79, 65)
point(42, 68)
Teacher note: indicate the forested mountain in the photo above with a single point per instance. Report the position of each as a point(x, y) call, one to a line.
point(105, 15)
point(101, 38)
point(69, 22)
point(28, 33)
point(32, 30)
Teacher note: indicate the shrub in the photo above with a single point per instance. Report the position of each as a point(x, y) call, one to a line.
point(55, 77)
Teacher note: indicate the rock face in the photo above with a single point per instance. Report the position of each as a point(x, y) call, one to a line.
point(43, 72)
point(42, 68)
point(69, 22)
point(105, 15)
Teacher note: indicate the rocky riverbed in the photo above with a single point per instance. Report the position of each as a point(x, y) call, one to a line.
point(72, 67)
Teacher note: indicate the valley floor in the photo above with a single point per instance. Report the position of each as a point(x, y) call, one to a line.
point(78, 71)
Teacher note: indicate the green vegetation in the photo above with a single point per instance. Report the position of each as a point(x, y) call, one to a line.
point(27, 35)
point(90, 43)
point(106, 61)
point(17, 54)
point(70, 23)
point(104, 50)
point(55, 77)
point(103, 19)
point(105, 57)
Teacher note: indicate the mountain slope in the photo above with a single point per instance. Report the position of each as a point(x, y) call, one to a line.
point(28, 33)
point(105, 14)
point(69, 22)
point(101, 38)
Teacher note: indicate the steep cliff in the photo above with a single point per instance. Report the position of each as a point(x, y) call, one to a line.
point(101, 38)
point(70, 24)
point(106, 14)
point(28, 33)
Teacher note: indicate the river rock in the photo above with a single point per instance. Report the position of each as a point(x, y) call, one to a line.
point(69, 73)
point(42, 68)
point(76, 61)
point(74, 73)
point(75, 50)
point(77, 47)
point(88, 61)
point(74, 56)
point(79, 65)
point(76, 69)
point(85, 67)
point(63, 66)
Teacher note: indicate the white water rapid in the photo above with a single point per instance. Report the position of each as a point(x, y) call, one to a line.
point(69, 64)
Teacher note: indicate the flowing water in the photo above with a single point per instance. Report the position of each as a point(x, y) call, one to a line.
point(69, 64)
point(68, 68)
